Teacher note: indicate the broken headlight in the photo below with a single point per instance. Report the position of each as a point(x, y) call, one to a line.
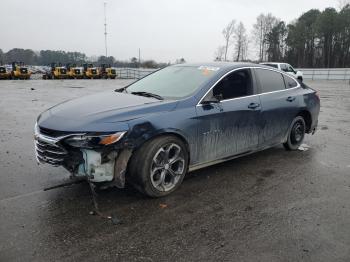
point(93, 141)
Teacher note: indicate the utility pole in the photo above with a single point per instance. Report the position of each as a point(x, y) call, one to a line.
point(139, 57)
point(104, 5)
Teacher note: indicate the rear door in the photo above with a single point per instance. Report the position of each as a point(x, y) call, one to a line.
point(231, 126)
point(279, 105)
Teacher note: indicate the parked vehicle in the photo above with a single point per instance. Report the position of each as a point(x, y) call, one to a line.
point(20, 71)
point(106, 71)
point(4, 73)
point(75, 72)
point(178, 119)
point(286, 68)
point(56, 72)
point(91, 72)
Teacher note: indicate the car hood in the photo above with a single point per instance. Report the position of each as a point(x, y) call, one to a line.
point(102, 112)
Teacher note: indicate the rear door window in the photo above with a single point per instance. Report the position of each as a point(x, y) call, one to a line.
point(290, 82)
point(270, 80)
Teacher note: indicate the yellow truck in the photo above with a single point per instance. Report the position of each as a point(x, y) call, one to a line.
point(91, 72)
point(75, 72)
point(56, 72)
point(4, 73)
point(106, 71)
point(19, 71)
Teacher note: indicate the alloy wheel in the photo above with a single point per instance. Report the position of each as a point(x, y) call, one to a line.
point(168, 165)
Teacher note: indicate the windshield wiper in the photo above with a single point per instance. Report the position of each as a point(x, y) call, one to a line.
point(120, 90)
point(147, 94)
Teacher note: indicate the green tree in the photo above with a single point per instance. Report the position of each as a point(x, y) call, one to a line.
point(328, 28)
point(2, 57)
point(106, 60)
point(276, 42)
point(26, 56)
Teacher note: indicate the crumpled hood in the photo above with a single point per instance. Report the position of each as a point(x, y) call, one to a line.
point(101, 112)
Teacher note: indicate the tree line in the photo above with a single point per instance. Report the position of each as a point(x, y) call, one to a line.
point(317, 38)
point(46, 57)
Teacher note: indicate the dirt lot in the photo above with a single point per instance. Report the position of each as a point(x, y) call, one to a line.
point(270, 206)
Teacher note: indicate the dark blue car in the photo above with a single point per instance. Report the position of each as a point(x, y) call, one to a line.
point(178, 119)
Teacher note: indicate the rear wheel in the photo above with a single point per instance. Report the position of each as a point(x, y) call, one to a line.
point(296, 134)
point(158, 167)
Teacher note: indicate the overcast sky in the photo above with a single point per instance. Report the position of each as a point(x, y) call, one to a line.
point(164, 29)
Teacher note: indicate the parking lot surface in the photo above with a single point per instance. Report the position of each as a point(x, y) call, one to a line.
point(270, 206)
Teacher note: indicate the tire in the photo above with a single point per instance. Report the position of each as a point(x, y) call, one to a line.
point(296, 134)
point(151, 171)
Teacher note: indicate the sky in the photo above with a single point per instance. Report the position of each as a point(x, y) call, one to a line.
point(164, 30)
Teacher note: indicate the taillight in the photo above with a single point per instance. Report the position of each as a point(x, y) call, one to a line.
point(318, 95)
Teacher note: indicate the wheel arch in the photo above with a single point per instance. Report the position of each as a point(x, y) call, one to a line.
point(307, 118)
point(163, 133)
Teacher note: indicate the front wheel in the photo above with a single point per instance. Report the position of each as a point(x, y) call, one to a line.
point(158, 167)
point(296, 134)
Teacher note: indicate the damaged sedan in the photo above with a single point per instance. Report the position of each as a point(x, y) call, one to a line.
point(178, 119)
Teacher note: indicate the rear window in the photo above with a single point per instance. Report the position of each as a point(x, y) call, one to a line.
point(290, 82)
point(270, 80)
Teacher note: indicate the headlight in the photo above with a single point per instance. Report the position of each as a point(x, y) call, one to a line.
point(36, 130)
point(92, 141)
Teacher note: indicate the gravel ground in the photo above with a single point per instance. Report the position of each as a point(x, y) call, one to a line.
point(270, 206)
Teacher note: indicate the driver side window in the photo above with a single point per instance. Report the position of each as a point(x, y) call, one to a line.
point(284, 67)
point(234, 85)
point(291, 69)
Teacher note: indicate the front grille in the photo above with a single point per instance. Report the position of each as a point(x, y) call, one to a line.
point(2, 70)
point(50, 153)
point(93, 71)
point(63, 71)
point(77, 71)
point(24, 70)
point(113, 72)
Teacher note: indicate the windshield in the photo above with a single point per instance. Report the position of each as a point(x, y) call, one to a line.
point(174, 81)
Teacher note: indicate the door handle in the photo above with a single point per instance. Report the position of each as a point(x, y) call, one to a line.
point(290, 98)
point(253, 105)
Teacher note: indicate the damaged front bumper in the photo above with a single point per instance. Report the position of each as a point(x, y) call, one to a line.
point(105, 164)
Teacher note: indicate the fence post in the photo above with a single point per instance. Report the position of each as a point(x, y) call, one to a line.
point(329, 71)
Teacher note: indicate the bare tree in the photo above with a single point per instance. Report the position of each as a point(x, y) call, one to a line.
point(262, 27)
point(343, 3)
point(219, 54)
point(228, 33)
point(240, 37)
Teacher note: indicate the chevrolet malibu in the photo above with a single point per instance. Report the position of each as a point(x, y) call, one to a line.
point(176, 120)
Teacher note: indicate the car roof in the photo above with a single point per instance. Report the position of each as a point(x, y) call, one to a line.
point(222, 66)
point(273, 63)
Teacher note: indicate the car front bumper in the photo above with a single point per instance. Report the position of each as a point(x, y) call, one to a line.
point(95, 165)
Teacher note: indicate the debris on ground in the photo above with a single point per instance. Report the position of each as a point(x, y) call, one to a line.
point(304, 147)
point(163, 205)
point(97, 211)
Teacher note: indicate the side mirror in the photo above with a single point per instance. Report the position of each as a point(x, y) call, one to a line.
point(212, 100)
